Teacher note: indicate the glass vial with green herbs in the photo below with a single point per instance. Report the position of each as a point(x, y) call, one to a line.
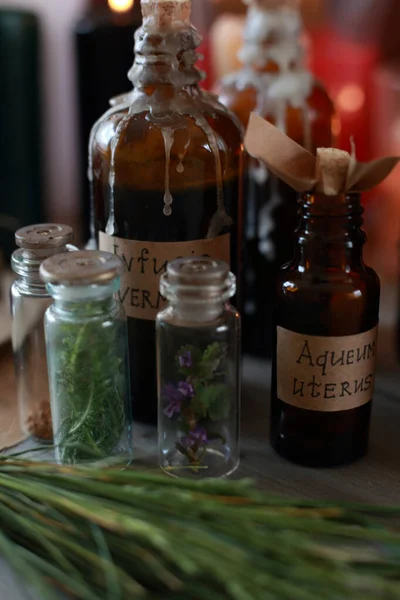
point(87, 353)
point(29, 302)
point(198, 357)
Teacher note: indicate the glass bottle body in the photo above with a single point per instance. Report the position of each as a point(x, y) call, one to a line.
point(167, 169)
point(273, 83)
point(199, 387)
point(329, 296)
point(29, 302)
point(87, 353)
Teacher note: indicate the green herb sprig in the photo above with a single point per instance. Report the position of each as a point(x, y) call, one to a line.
point(104, 534)
point(200, 402)
point(90, 388)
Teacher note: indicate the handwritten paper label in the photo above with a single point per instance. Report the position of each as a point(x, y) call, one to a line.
point(326, 374)
point(145, 262)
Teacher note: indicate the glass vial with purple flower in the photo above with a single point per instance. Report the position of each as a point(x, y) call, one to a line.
point(198, 357)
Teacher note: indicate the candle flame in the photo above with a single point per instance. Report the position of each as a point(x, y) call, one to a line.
point(121, 6)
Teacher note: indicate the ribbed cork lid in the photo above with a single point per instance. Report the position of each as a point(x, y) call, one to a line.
point(81, 268)
point(43, 236)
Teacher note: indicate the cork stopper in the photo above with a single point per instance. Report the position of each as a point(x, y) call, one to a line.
point(331, 170)
point(166, 14)
point(43, 236)
point(81, 268)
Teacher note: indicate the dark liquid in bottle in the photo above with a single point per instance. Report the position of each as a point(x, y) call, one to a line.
point(139, 216)
point(271, 217)
point(325, 304)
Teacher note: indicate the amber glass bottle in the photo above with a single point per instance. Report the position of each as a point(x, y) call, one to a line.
point(327, 317)
point(166, 169)
point(273, 83)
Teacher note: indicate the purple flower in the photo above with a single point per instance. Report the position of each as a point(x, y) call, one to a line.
point(185, 359)
point(196, 437)
point(171, 395)
point(171, 409)
point(186, 389)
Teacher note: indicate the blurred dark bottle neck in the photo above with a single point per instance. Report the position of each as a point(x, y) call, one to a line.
point(329, 234)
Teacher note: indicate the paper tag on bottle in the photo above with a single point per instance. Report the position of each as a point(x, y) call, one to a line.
point(326, 374)
point(145, 262)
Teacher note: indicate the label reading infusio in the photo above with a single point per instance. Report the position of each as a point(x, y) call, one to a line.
point(145, 262)
point(326, 374)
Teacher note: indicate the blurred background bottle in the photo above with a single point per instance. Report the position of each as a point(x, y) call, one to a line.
point(21, 198)
point(104, 42)
point(275, 84)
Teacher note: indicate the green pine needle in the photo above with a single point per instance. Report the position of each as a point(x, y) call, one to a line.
point(106, 534)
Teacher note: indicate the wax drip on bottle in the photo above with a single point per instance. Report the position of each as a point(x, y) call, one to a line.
point(180, 168)
point(168, 135)
point(307, 133)
point(220, 219)
point(280, 114)
point(170, 20)
point(110, 228)
point(92, 242)
point(266, 222)
point(272, 36)
point(91, 174)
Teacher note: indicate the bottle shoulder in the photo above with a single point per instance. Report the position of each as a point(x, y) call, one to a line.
point(187, 136)
point(86, 313)
point(105, 129)
point(183, 110)
point(357, 281)
point(329, 303)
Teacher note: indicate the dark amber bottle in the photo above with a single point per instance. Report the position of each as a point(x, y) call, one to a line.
point(327, 316)
point(274, 84)
point(166, 165)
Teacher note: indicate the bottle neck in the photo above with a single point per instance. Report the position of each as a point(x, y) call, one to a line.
point(26, 263)
point(272, 40)
point(329, 233)
point(82, 302)
point(197, 289)
point(188, 313)
point(165, 47)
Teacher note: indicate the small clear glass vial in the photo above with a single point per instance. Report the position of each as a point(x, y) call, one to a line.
point(199, 374)
point(29, 302)
point(87, 354)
